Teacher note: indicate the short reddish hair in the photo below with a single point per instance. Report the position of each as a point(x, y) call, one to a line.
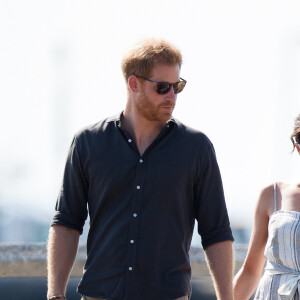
point(141, 59)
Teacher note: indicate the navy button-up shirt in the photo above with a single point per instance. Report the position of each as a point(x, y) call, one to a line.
point(142, 209)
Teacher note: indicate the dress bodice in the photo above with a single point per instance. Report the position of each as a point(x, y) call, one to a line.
point(283, 245)
point(282, 252)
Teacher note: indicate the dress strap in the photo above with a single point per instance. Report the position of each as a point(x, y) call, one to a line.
point(275, 196)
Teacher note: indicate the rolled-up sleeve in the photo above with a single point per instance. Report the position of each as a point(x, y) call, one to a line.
point(71, 205)
point(211, 211)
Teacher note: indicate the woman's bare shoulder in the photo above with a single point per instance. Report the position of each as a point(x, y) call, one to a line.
point(266, 200)
point(267, 191)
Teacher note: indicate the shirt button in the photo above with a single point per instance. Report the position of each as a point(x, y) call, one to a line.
point(132, 241)
point(129, 140)
point(130, 268)
point(135, 215)
point(141, 160)
point(138, 187)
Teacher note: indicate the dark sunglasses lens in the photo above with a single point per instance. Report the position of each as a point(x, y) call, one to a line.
point(163, 88)
point(178, 87)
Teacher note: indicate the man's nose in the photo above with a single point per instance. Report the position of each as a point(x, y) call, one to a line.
point(171, 94)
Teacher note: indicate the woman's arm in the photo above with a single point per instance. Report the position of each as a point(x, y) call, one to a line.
point(247, 278)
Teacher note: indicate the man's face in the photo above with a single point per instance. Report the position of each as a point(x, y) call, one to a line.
point(149, 103)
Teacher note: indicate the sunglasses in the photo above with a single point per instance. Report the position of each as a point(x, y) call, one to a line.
point(164, 87)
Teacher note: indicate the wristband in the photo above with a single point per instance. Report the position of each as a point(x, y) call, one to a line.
point(56, 297)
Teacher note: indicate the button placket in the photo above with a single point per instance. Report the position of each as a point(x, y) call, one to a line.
point(139, 188)
point(138, 185)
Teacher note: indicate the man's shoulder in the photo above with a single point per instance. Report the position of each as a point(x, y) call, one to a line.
point(191, 133)
point(100, 127)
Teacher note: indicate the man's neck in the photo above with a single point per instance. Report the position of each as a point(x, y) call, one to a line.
point(142, 130)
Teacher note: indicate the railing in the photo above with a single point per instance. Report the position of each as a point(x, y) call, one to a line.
point(23, 271)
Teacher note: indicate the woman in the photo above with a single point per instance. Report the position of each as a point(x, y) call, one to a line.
point(276, 238)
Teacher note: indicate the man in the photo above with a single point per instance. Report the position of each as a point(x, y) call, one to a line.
point(145, 178)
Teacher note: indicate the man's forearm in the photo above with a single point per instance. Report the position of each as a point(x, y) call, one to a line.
point(220, 261)
point(62, 249)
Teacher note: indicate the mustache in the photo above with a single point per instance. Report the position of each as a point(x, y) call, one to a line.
point(168, 103)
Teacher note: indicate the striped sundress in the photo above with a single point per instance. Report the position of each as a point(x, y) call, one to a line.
point(281, 278)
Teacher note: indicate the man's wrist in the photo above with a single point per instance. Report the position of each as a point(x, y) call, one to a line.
point(56, 297)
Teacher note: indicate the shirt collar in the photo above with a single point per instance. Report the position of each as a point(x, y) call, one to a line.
point(117, 120)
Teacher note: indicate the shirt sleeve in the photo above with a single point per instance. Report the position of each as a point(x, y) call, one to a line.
point(211, 211)
point(71, 205)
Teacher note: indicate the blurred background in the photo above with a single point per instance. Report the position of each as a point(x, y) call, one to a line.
point(60, 70)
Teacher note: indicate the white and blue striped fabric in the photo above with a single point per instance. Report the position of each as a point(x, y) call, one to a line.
point(281, 278)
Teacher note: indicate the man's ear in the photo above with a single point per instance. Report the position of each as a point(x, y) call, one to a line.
point(133, 83)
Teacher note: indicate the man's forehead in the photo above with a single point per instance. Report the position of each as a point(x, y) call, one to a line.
point(160, 69)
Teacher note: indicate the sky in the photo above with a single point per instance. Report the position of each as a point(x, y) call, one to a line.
point(60, 70)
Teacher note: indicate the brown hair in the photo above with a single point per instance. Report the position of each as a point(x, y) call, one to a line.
point(141, 59)
point(295, 137)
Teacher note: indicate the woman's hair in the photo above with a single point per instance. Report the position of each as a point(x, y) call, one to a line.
point(295, 137)
point(141, 59)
